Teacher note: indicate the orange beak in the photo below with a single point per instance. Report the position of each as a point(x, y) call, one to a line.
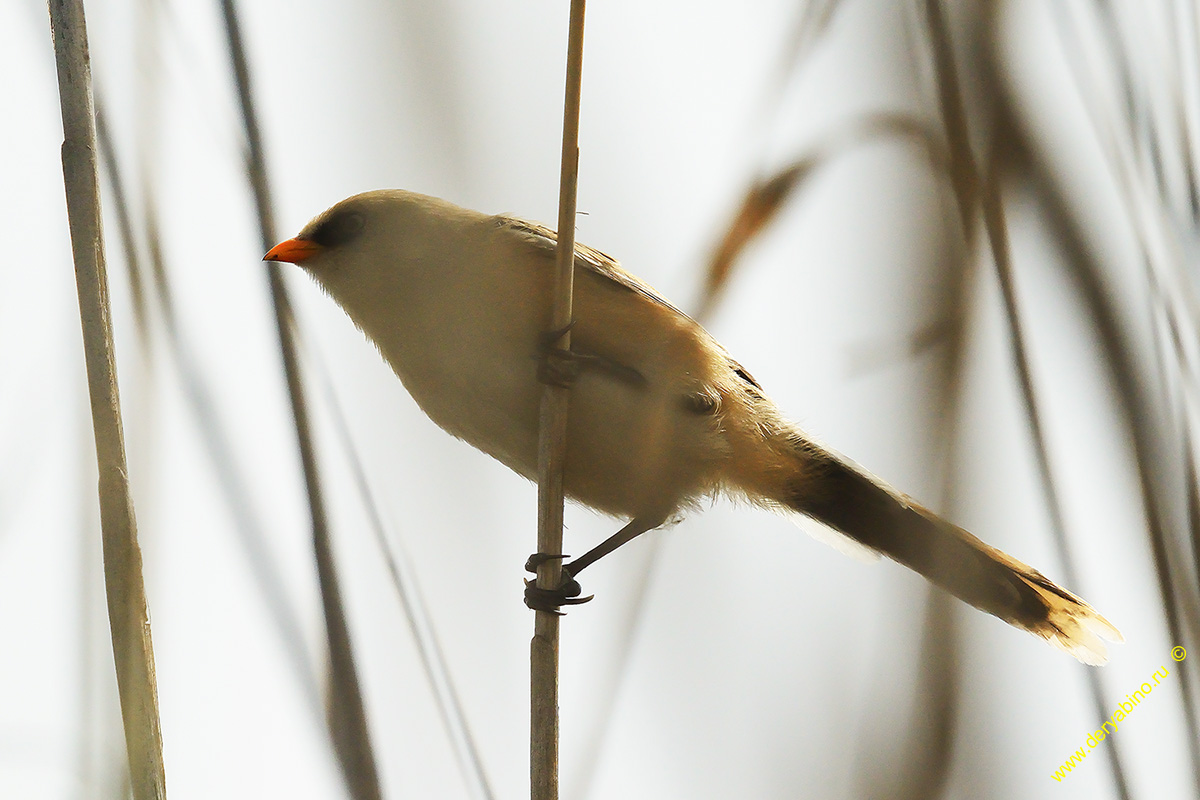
point(294, 251)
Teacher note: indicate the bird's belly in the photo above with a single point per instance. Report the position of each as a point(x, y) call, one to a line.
point(631, 450)
point(493, 408)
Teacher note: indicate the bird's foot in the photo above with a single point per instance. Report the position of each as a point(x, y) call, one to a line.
point(566, 594)
point(557, 366)
point(561, 366)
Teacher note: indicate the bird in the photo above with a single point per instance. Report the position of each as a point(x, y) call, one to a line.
point(660, 416)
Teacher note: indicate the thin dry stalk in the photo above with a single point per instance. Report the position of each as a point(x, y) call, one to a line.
point(552, 447)
point(963, 176)
point(927, 752)
point(924, 764)
point(347, 717)
point(137, 276)
point(128, 615)
point(212, 433)
point(766, 197)
point(975, 194)
point(1139, 409)
point(401, 570)
point(812, 20)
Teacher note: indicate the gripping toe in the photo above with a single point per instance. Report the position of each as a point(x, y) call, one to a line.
point(567, 594)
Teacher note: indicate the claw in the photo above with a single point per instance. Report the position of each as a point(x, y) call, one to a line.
point(567, 594)
point(550, 337)
point(549, 600)
point(561, 366)
point(558, 367)
point(537, 559)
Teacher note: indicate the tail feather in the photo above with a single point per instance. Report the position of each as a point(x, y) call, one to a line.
point(840, 496)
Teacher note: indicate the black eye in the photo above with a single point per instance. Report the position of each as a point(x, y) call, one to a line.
point(338, 229)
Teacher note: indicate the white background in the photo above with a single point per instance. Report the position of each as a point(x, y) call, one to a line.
point(760, 664)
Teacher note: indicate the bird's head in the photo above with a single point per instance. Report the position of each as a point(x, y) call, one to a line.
point(374, 232)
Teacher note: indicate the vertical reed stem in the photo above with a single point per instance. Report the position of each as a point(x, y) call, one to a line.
point(552, 446)
point(128, 616)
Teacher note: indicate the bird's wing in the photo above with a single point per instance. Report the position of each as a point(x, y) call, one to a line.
point(609, 271)
point(588, 258)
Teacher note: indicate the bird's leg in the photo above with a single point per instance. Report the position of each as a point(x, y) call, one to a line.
point(559, 366)
point(569, 590)
point(633, 529)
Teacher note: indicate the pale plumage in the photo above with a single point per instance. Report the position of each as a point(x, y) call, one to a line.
point(660, 414)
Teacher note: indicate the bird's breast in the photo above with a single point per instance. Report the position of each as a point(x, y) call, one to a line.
point(469, 358)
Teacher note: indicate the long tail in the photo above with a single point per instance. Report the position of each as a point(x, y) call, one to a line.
point(838, 495)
